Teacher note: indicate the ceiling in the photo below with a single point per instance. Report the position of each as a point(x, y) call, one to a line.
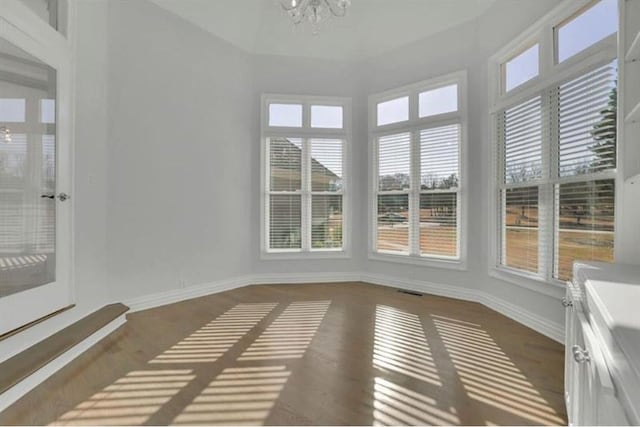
point(370, 28)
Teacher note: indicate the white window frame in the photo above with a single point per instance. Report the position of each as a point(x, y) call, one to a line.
point(550, 73)
point(413, 126)
point(305, 132)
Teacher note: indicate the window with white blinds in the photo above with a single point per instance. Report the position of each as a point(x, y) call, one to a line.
point(556, 178)
point(305, 187)
point(417, 188)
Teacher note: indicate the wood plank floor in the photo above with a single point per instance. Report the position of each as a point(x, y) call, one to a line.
point(328, 354)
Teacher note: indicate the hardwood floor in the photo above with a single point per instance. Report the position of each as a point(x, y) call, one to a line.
point(347, 354)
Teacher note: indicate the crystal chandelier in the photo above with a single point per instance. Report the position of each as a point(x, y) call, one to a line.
point(5, 134)
point(314, 11)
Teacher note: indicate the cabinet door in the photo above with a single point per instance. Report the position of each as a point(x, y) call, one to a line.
point(600, 405)
point(573, 337)
point(575, 372)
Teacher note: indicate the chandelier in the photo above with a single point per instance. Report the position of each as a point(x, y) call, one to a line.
point(314, 11)
point(5, 134)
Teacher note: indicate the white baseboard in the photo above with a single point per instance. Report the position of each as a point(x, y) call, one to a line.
point(514, 312)
point(176, 295)
point(517, 313)
point(26, 385)
point(539, 324)
point(293, 278)
point(448, 291)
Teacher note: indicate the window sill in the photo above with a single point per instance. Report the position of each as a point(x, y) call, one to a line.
point(301, 256)
point(451, 264)
point(552, 289)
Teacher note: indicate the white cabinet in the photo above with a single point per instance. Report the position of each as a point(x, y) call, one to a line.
point(589, 390)
point(600, 381)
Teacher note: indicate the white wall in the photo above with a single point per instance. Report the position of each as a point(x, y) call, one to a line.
point(179, 140)
point(628, 232)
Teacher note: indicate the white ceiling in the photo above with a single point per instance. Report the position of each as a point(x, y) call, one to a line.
point(370, 28)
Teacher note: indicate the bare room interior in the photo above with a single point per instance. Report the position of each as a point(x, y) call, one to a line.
point(319, 212)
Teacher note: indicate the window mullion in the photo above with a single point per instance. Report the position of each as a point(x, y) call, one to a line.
point(553, 173)
point(414, 197)
point(545, 202)
point(500, 188)
point(306, 195)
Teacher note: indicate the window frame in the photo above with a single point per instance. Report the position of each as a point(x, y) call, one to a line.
point(414, 126)
point(305, 132)
point(551, 73)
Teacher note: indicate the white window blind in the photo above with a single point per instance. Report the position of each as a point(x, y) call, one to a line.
point(439, 182)
point(285, 193)
point(394, 184)
point(306, 187)
point(556, 153)
point(326, 193)
point(419, 216)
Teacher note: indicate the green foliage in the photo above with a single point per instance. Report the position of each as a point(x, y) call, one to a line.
point(605, 136)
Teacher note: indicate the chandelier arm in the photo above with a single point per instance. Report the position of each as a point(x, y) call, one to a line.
point(301, 6)
point(334, 9)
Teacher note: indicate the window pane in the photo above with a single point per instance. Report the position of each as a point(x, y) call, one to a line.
point(587, 122)
point(520, 228)
point(520, 128)
point(394, 111)
point(593, 25)
point(326, 165)
point(13, 110)
point(329, 117)
point(522, 68)
point(439, 149)
point(285, 115)
point(326, 221)
point(47, 111)
point(438, 101)
point(438, 224)
point(285, 222)
point(285, 160)
point(394, 162)
point(585, 224)
point(393, 223)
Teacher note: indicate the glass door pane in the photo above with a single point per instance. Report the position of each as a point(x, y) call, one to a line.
point(27, 171)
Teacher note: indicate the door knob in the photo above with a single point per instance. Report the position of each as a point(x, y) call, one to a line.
point(62, 196)
point(580, 355)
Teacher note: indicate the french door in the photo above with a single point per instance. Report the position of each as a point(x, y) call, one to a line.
point(35, 168)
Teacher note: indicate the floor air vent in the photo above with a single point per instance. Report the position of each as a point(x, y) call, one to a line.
point(415, 294)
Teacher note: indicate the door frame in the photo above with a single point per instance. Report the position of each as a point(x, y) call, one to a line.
point(23, 28)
